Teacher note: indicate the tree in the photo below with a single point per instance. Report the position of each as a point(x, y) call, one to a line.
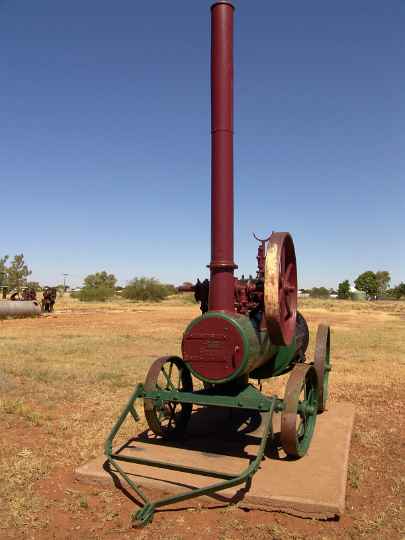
point(367, 282)
point(399, 290)
point(383, 280)
point(344, 290)
point(34, 285)
point(3, 261)
point(17, 273)
point(3, 271)
point(319, 292)
point(100, 279)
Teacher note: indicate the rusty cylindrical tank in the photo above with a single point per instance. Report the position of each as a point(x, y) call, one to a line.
point(221, 345)
point(19, 308)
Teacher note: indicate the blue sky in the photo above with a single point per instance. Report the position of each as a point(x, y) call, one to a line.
point(105, 136)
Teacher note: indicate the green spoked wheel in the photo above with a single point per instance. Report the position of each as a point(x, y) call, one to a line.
point(322, 363)
point(300, 407)
point(168, 419)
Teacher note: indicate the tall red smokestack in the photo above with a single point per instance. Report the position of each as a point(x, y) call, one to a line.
point(221, 296)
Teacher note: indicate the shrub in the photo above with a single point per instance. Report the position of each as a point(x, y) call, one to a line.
point(94, 294)
point(147, 289)
point(319, 292)
point(399, 290)
point(171, 289)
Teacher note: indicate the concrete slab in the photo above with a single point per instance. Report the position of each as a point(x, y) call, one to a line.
point(224, 440)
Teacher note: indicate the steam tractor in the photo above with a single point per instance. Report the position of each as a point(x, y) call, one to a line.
point(249, 329)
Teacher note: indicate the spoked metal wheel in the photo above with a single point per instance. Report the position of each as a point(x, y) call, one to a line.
point(168, 419)
point(322, 363)
point(300, 408)
point(280, 288)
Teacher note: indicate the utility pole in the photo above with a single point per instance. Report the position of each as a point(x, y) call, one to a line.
point(64, 282)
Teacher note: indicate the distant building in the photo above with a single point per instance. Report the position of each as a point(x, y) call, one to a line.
point(302, 294)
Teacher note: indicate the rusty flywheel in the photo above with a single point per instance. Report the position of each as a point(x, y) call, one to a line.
point(280, 288)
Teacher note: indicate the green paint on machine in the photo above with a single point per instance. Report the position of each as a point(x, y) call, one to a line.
point(280, 360)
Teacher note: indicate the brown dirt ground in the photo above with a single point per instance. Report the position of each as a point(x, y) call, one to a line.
point(65, 377)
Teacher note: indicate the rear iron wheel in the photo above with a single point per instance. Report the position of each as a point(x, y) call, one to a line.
point(298, 417)
point(169, 419)
point(280, 289)
point(301, 337)
point(322, 363)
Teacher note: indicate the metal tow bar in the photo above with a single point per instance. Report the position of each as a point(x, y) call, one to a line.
point(145, 514)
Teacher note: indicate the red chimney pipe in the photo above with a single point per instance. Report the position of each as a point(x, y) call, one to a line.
point(221, 293)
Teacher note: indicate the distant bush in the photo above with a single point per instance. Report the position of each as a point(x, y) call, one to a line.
point(319, 292)
point(171, 289)
point(147, 290)
point(94, 294)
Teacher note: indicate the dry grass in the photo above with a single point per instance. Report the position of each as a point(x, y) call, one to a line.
point(65, 377)
point(17, 407)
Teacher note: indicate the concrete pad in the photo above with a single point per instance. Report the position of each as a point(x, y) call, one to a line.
point(224, 440)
